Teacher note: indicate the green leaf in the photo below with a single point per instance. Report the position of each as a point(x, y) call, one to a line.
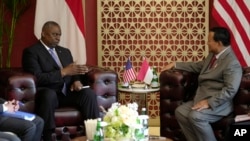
point(16, 8)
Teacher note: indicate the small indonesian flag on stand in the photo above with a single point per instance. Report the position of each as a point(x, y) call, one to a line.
point(145, 74)
point(129, 73)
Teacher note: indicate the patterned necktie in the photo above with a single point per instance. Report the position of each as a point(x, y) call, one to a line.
point(55, 57)
point(211, 64)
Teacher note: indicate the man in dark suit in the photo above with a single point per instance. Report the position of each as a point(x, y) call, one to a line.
point(24, 129)
point(60, 79)
point(219, 80)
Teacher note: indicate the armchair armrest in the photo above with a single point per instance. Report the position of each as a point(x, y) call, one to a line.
point(176, 86)
point(104, 82)
point(242, 98)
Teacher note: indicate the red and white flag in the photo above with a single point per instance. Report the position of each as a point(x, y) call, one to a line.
point(145, 74)
point(235, 15)
point(129, 73)
point(69, 15)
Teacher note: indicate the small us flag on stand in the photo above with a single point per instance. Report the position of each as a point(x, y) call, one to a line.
point(129, 73)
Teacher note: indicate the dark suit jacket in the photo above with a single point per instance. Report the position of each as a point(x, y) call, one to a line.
point(38, 61)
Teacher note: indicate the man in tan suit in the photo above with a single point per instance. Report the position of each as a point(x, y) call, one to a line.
point(218, 82)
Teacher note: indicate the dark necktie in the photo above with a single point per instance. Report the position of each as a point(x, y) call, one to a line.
point(55, 57)
point(211, 64)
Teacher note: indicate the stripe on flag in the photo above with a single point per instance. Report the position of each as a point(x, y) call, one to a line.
point(129, 73)
point(145, 74)
point(234, 14)
point(69, 15)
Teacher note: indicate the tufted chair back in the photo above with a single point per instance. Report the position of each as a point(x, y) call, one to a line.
point(177, 86)
point(104, 83)
point(16, 84)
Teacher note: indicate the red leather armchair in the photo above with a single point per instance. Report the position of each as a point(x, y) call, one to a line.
point(177, 86)
point(16, 84)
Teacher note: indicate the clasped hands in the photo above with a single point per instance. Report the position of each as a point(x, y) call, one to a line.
point(12, 106)
point(74, 69)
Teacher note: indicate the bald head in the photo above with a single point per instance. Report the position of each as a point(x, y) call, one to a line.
point(51, 33)
point(49, 24)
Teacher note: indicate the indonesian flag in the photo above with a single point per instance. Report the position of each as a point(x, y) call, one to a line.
point(129, 73)
point(235, 15)
point(69, 15)
point(145, 74)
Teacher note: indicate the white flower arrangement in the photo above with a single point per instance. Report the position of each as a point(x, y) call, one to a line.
point(122, 121)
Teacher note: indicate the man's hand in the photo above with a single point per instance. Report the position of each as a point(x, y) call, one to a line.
point(169, 66)
point(12, 106)
point(201, 105)
point(76, 86)
point(74, 69)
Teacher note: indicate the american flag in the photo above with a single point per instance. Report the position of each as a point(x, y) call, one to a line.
point(129, 73)
point(235, 15)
